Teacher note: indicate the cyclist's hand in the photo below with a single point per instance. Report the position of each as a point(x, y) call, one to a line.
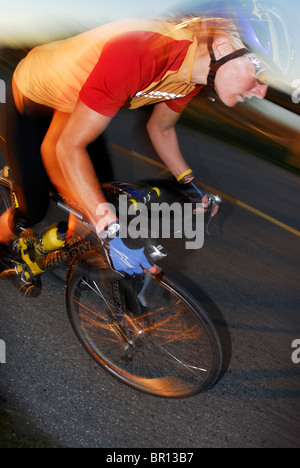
point(206, 203)
point(197, 193)
point(124, 258)
point(130, 261)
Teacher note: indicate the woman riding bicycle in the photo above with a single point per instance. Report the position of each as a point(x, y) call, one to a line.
point(64, 95)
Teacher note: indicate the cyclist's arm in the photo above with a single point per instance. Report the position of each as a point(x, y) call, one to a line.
point(82, 128)
point(161, 129)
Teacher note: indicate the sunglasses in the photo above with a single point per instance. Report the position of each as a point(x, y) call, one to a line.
point(261, 70)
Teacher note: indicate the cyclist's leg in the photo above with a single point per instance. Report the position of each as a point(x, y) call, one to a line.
point(6, 235)
point(25, 133)
point(33, 204)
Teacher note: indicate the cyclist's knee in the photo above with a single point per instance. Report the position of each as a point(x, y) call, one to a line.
point(20, 221)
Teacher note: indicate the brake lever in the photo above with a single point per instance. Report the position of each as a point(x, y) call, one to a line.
point(213, 201)
point(156, 252)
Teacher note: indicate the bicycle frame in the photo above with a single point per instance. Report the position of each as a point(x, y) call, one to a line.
point(34, 266)
point(152, 331)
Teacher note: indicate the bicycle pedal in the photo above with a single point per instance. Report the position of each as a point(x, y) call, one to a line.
point(9, 273)
point(30, 289)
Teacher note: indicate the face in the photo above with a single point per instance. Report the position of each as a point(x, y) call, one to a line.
point(235, 82)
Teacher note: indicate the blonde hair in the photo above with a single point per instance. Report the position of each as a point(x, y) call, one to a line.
point(211, 28)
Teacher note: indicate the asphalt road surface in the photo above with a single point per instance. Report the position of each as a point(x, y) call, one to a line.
point(247, 275)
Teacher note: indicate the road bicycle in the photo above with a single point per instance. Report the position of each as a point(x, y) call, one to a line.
point(145, 329)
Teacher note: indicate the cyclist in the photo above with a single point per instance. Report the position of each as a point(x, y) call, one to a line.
point(66, 93)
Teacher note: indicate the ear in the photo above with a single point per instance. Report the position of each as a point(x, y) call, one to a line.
point(222, 46)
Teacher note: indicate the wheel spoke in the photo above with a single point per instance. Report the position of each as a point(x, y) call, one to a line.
point(170, 348)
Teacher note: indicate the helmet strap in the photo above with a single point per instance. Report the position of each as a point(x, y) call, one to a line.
point(216, 64)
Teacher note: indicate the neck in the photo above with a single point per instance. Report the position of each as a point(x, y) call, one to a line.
point(201, 65)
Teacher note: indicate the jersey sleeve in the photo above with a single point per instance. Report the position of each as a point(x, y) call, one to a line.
point(130, 63)
point(118, 75)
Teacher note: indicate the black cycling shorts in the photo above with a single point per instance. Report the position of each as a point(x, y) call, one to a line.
point(25, 134)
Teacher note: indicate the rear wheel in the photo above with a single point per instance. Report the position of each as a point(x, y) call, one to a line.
point(163, 343)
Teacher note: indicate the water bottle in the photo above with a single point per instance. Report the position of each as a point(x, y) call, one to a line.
point(54, 238)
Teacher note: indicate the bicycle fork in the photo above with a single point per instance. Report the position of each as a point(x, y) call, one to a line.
point(124, 324)
point(119, 320)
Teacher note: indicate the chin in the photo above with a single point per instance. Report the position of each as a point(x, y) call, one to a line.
point(229, 103)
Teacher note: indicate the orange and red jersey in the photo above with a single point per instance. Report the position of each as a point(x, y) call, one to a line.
point(128, 64)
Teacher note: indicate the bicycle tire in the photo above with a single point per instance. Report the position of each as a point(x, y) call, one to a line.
point(162, 362)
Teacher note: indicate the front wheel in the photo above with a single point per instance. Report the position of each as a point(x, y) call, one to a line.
point(163, 344)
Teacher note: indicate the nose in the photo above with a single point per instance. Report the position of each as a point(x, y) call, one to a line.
point(260, 91)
